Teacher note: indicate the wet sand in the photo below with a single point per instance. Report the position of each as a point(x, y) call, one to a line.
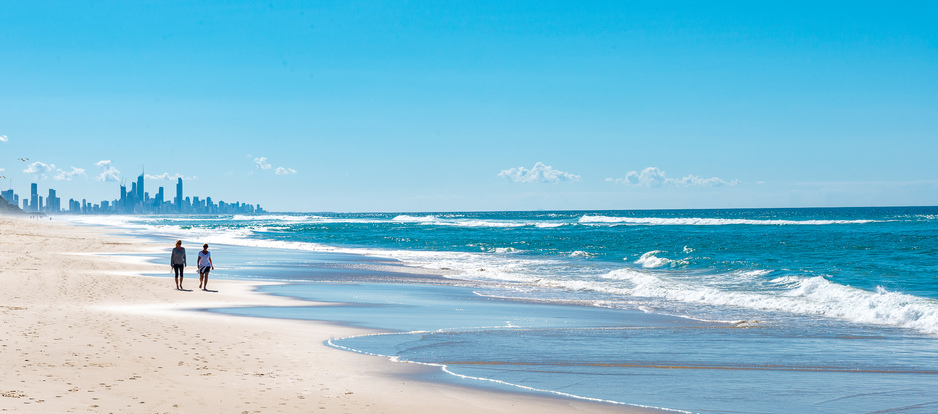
point(82, 329)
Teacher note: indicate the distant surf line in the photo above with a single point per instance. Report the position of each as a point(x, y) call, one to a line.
point(698, 367)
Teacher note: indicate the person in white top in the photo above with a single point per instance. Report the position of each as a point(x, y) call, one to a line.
point(205, 265)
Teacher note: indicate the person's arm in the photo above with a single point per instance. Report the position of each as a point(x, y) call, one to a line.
point(210, 262)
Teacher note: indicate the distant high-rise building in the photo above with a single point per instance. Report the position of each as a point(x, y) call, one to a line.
point(34, 203)
point(53, 203)
point(135, 201)
point(9, 196)
point(178, 199)
point(141, 197)
point(121, 206)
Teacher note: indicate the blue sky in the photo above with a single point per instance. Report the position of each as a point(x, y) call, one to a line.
point(447, 106)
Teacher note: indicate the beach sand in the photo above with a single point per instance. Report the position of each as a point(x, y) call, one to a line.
point(81, 329)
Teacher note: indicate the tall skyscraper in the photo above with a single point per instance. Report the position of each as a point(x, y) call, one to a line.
point(135, 201)
point(53, 203)
point(34, 197)
point(140, 191)
point(8, 196)
point(123, 203)
point(178, 200)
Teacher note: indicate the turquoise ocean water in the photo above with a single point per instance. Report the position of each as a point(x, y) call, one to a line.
point(769, 310)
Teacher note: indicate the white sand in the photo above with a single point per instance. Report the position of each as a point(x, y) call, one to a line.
point(82, 330)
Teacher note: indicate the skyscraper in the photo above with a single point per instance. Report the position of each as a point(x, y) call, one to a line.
point(178, 200)
point(8, 196)
point(140, 191)
point(34, 197)
point(53, 203)
point(123, 202)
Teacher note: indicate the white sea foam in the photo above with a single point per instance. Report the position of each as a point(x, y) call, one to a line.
point(412, 219)
point(650, 261)
point(427, 220)
point(800, 295)
point(469, 222)
point(506, 250)
point(744, 289)
point(277, 217)
point(693, 221)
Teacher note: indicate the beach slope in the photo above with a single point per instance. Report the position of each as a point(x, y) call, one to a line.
point(81, 329)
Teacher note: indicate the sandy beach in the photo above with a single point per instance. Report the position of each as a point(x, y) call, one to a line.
point(84, 330)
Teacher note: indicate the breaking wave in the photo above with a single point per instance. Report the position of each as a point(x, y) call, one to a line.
point(693, 221)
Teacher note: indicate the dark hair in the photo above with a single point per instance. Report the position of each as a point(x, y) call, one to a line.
point(205, 245)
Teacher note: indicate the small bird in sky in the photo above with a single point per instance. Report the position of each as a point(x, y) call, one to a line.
point(24, 159)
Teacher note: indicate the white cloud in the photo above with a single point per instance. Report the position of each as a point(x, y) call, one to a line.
point(3, 138)
point(167, 176)
point(68, 175)
point(655, 177)
point(108, 172)
point(262, 163)
point(43, 170)
point(39, 168)
point(539, 174)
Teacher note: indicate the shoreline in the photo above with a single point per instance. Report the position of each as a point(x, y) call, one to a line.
point(89, 331)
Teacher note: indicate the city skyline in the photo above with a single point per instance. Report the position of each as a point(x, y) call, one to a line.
point(485, 105)
point(135, 201)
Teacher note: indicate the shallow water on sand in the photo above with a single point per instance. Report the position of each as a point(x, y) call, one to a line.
point(628, 356)
point(785, 310)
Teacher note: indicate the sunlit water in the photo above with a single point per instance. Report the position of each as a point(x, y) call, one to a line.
point(781, 310)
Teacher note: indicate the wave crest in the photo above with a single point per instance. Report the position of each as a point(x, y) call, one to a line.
point(650, 261)
point(800, 295)
point(697, 221)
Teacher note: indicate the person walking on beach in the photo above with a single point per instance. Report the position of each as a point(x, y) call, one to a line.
point(178, 262)
point(205, 265)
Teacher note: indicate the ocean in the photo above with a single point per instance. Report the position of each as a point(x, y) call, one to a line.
point(737, 310)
